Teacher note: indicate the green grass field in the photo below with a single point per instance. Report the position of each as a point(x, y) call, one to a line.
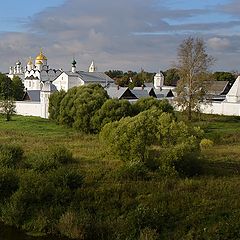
point(204, 207)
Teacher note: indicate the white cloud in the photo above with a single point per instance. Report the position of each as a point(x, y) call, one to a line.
point(218, 43)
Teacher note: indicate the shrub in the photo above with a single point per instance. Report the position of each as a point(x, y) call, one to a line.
point(130, 137)
point(132, 171)
point(8, 183)
point(67, 178)
point(206, 143)
point(10, 155)
point(182, 159)
point(147, 103)
point(41, 162)
point(60, 154)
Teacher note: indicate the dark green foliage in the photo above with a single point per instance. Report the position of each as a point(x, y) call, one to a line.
point(42, 193)
point(11, 88)
point(224, 76)
point(147, 103)
point(112, 110)
point(6, 87)
point(171, 77)
point(114, 73)
point(18, 88)
point(54, 105)
point(80, 104)
point(10, 155)
point(8, 183)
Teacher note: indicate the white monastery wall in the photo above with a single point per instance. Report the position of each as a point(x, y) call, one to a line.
point(28, 108)
point(222, 108)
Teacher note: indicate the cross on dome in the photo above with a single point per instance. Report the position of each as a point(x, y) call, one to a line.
point(41, 56)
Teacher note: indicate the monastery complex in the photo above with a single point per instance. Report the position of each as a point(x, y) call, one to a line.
point(41, 81)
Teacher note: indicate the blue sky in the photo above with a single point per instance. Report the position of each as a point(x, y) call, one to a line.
point(14, 14)
point(126, 34)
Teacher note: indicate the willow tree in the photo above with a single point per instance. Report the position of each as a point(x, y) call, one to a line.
point(193, 66)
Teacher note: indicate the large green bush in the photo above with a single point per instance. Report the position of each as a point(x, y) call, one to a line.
point(156, 139)
point(80, 104)
point(112, 110)
point(130, 138)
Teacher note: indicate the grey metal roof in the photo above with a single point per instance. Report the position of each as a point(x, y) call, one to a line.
point(71, 74)
point(217, 87)
point(163, 93)
point(92, 77)
point(95, 77)
point(115, 92)
point(33, 95)
point(139, 93)
point(148, 89)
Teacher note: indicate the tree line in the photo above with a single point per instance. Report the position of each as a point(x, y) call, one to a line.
point(171, 77)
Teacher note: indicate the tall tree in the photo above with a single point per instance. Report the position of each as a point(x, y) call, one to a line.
point(6, 88)
point(18, 88)
point(193, 65)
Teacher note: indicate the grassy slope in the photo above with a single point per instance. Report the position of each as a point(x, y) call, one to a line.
point(207, 207)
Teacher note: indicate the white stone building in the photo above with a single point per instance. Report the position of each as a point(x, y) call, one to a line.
point(69, 79)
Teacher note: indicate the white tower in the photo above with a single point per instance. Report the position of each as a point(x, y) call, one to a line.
point(29, 64)
point(158, 80)
point(10, 70)
point(45, 93)
point(74, 66)
point(92, 67)
point(19, 69)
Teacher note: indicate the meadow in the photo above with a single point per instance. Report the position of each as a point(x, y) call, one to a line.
point(110, 206)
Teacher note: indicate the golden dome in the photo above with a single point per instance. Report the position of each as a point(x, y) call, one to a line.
point(41, 56)
point(39, 62)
